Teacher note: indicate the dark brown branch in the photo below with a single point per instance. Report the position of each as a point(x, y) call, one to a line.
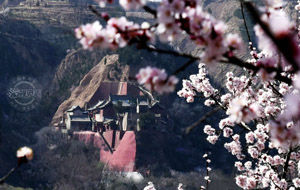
point(238, 62)
point(284, 44)
point(95, 11)
point(203, 118)
point(150, 10)
point(230, 59)
point(170, 52)
point(275, 90)
point(286, 165)
point(245, 23)
point(183, 67)
point(8, 174)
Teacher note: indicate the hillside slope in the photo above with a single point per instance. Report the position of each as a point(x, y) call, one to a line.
point(105, 70)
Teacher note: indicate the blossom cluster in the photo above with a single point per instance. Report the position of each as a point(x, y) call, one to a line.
point(262, 105)
point(267, 109)
point(178, 16)
point(198, 83)
point(174, 18)
point(156, 79)
point(117, 33)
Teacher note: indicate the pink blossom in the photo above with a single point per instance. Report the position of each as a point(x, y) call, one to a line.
point(251, 183)
point(180, 186)
point(234, 41)
point(209, 102)
point(212, 139)
point(155, 79)
point(209, 130)
point(239, 166)
point(92, 35)
point(250, 137)
point(150, 186)
point(102, 3)
point(296, 182)
point(132, 4)
point(248, 165)
point(25, 152)
point(237, 110)
point(253, 152)
point(241, 181)
point(227, 132)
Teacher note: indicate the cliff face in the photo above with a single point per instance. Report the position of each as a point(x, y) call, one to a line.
point(71, 70)
point(109, 69)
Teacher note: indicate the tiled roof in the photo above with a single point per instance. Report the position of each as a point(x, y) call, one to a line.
point(74, 108)
point(113, 88)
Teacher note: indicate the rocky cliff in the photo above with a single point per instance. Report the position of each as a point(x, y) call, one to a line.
point(108, 69)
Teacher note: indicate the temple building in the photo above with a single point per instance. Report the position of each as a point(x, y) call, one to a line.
point(119, 106)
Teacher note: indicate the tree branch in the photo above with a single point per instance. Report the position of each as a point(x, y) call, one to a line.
point(170, 52)
point(203, 118)
point(8, 174)
point(246, 27)
point(240, 63)
point(150, 10)
point(286, 165)
point(183, 67)
point(95, 11)
point(284, 44)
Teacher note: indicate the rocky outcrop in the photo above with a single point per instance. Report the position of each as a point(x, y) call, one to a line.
point(109, 69)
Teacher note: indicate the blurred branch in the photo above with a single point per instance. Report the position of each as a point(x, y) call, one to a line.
point(170, 52)
point(150, 10)
point(236, 61)
point(93, 9)
point(230, 59)
point(283, 44)
point(245, 23)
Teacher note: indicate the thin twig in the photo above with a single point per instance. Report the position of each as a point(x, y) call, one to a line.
point(275, 90)
point(203, 118)
point(93, 9)
point(183, 67)
point(8, 174)
point(170, 52)
point(150, 10)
